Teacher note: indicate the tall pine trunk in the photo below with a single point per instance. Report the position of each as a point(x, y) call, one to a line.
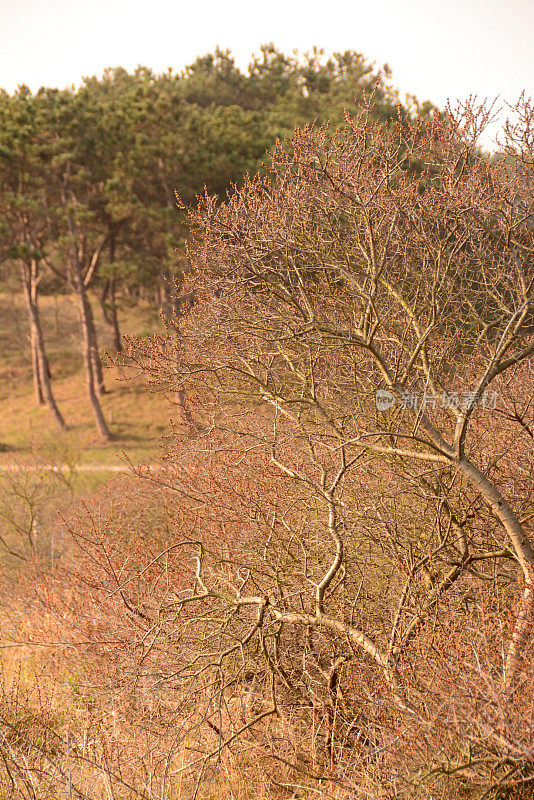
point(89, 352)
point(96, 363)
point(91, 359)
point(41, 371)
point(37, 387)
point(109, 311)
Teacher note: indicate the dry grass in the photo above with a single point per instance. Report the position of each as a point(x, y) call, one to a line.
point(59, 693)
point(136, 417)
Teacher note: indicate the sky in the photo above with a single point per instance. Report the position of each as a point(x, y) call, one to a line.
point(437, 50)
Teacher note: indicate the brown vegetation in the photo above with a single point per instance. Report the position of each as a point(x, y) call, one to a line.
point(330, 588)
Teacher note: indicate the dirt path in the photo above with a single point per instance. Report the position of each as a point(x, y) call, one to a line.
point(67, 468)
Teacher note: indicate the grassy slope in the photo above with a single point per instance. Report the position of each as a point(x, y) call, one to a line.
point(136, 417)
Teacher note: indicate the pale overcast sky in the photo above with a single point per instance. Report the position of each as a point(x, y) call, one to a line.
point(437, 50)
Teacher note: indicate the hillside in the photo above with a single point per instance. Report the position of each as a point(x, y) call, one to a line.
point(136, 417)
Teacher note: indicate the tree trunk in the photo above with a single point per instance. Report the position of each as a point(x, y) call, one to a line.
point(185, 414)
point(109, 310)
point(93, 367)
point(88, 359)
point(172, 310)
point(163, 290)
point(88, 352)
point(523, 630)
point(96, 363)
point(170, 300)
point(37, 387)
point(89, 349)
point(29, 276)
point(42, 384)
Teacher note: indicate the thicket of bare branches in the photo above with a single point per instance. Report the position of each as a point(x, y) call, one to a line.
point(343, 580)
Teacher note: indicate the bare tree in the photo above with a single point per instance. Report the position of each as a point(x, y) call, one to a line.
point(377, 293)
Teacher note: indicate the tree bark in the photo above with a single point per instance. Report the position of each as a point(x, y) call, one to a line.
point(180, 394)
point(109, 311)
point(89, 348)
point(185, 414)
point(41, 376)
point(27, 273)
point(88, 352)
point(37, 388)
point(523, 629)
point(96, 363)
